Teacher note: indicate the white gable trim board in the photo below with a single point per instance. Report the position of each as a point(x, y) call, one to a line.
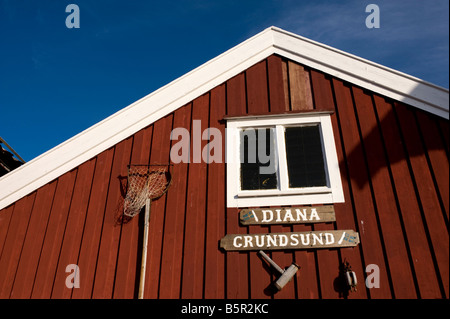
point(124, 123)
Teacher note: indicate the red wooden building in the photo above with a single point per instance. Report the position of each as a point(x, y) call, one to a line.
point(384, 139)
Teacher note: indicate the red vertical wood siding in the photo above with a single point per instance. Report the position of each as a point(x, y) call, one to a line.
point(326, 259)
point(172, 257)
point(26, 270)
point(394, 167)
point(130, 240)
point(110, 237)
point(237, 262)
point(159, 153)
point(214, 282)
point(88, 251)
point(14, 240)
point(194, 232)
point(257, 101)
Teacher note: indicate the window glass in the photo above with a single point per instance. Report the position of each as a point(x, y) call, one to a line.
point(258, 159)
point(304, 155)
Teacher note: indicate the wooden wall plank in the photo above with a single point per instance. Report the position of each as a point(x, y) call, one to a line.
point(87, 258)
point(34, 239)
point(128, 262)
point(236, 97)
point(346, 219)
point(287, 96)
point(54, 233)
point(74, 229)
point(445, 132)
point(322, 91)
point(257, 92)
point(328, 266)
point(385, 201)
point(14, 242)
point(329, 272)
point(194, 236)
point(5, 218)
point(300, 87)
point(109, 241)
point(214, 285)
point(236, 262)
point(363, 201)
point(435, 151)
point(278, 87)
point(415, 233)
point(172, 254)
point(437, 229)
point(159, 154)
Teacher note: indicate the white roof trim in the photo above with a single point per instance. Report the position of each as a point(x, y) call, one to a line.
point(165, 100)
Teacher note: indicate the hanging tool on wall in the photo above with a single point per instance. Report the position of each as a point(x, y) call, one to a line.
point(286, 275)
point(350, 276)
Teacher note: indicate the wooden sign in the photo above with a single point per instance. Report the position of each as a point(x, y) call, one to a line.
point(291, 215)
point(297, 240)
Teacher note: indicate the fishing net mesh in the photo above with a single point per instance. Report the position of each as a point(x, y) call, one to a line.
point(144, 181)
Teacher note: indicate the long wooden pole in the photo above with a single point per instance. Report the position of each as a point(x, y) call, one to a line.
point(144, 248)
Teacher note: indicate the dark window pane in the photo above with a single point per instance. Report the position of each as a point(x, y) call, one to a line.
point(305, 157)
point(258, 159)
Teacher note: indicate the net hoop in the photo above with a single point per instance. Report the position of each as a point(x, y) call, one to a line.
point(145, 181)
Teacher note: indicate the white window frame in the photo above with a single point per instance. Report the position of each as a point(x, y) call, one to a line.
point(283, 195)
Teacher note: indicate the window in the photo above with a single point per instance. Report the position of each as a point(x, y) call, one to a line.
point(282, 160)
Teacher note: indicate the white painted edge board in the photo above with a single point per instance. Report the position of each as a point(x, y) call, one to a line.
point(122, 124)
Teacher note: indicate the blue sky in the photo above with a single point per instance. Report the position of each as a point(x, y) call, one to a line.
point(55, 82)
